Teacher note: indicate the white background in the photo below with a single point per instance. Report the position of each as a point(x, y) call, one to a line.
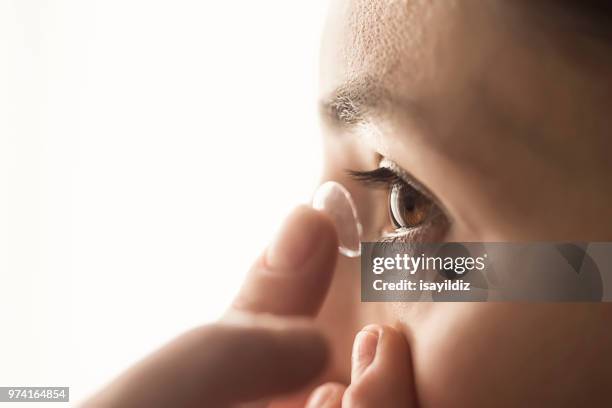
point(148, 151)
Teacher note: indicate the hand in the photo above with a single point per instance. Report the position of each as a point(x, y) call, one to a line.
point(267, 345)
point(381, 374)
point(250, 355)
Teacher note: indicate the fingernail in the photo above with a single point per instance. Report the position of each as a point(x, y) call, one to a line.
point(320, 397)
point(296, 240)
point(364, 351)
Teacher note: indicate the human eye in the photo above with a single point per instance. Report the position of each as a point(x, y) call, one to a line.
point(414, 213)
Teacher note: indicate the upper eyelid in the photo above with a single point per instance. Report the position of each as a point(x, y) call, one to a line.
point(407, 178)
point(396, 173)
point(380, 175)
point(388, 175)
point(412, 182)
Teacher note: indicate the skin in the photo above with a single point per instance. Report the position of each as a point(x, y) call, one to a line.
point(502, 115)
point(500, 110)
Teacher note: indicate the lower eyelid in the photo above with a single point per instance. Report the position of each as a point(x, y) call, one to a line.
point(433, 230)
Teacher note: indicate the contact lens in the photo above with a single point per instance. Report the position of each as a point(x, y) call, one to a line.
point(335, 200)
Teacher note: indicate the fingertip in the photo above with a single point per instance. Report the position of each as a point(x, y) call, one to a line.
point(388, 379)
point(364, 351)
point(304, 233)
point(293, 275)
point(328, 395)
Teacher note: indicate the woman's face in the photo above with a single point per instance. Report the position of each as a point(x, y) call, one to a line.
point(496, 110)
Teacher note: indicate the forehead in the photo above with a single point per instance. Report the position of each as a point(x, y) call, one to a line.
point(401, 36)
point(476, 70)
point(371, 38)
point(385, 36)
point(431, 56)
point(416, 49)
point(377, 33)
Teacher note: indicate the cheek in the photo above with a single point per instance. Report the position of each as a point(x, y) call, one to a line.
point(505, 354)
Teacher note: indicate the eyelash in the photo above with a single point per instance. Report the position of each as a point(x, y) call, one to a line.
point(388, 178)
point(381, 175)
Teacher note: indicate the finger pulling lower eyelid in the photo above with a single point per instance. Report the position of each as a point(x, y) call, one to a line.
point(364, 351)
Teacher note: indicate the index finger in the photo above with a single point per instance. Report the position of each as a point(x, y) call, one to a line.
point(294, 273)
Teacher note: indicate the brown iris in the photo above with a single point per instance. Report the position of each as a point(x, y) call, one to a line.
point(408, 207)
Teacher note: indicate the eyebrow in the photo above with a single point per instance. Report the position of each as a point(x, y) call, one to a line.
point(352, 101)
point(355, 102)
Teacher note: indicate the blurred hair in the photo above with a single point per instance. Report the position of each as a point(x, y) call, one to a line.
point(592, 17)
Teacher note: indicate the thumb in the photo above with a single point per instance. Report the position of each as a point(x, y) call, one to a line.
point(220, 365)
